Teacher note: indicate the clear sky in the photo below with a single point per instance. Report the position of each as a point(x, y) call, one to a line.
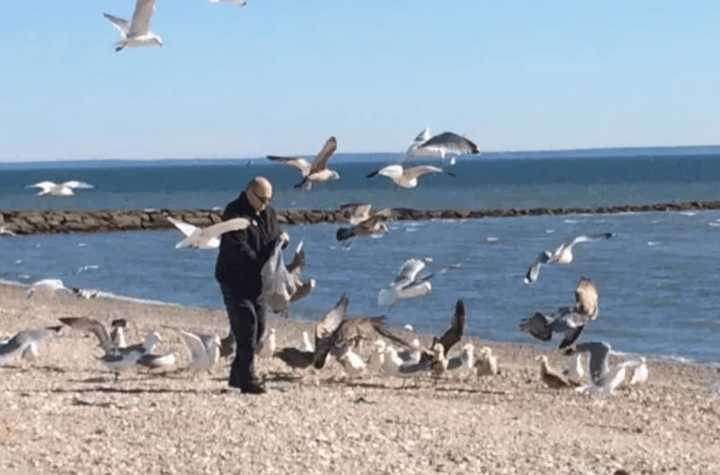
point(280, 76)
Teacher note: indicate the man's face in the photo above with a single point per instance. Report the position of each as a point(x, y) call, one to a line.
point(259, 198)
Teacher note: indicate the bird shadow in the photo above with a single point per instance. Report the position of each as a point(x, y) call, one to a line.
point(114, 390)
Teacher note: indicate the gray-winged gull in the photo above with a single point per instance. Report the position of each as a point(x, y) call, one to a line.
point(314, 173)
point(443, 145)
point(567, 320)
point(60, 189)
point(136, 33)
point(407, 177)
point(562, 255)
point(603, 378)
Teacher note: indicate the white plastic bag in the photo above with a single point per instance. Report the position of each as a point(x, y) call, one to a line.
point(278, 285)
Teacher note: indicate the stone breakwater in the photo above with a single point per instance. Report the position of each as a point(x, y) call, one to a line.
point(55, 221)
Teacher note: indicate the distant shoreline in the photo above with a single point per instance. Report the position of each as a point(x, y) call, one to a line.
point(58, 221)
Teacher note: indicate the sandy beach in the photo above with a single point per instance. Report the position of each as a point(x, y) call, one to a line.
point(63, 413)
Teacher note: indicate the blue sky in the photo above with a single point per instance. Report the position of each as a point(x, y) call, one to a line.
point(280, 76)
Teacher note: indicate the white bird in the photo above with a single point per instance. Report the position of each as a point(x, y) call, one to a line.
point(60, 189)
point(407, 177)
point(24, 344)
point(562, 255)
point(4, 230)
point(136, 33)
point(487, 363)
point(408, 284)
point(207, 238)
point(204, 349)
point(239, 3)
point(640, 373)
point(47, 288)
point(307, 344)
point(575, 371)
point(604, 379)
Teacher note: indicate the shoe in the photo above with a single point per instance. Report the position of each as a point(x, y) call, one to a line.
point(253, 388)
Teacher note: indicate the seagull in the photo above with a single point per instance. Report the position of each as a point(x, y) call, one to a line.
point(239, 3)
point(567, 320)
point(334, 332)
point(317, 172)
point(604, 379)
point(5, 231)
point(640, 373)
point(407, 177)
point(295, 268)
point(24, 344)
point(165, 360)
point(47, 288)
point(487, 363)
point(552, 378)
point(575, 371)
point(204, 349)
point(442, 145)
point(60, 189)
point(356, 213)
point(207, 238)
point(452, 335)
point(408, 284)
point(114, 358)
point(351, 362)
point(117, 332)
point(373, 227)
point(562, 255)
point(136, 33)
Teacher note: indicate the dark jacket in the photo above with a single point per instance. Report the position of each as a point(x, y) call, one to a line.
point(243, 253)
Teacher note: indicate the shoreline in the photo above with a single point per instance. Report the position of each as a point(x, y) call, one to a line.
point(92, 221)
point(64, 413)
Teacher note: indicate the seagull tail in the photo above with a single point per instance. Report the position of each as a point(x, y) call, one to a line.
point(344, 234)
point(372, 174)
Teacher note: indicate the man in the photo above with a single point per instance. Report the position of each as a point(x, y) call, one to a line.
point(238, 270)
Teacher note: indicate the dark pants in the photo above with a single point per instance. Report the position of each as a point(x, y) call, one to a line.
point(247, 323)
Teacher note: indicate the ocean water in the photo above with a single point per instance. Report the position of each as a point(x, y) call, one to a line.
point(657, 278)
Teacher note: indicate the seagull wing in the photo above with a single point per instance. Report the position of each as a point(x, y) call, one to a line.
point(421, 170)
point(78, 185)
point(140, 23)
point(324, 155)
point(599, 351)
point(92, 326)
point(297, 162)
point(590, 238)
point(453, 334)
point(216, 230)
point(185, 228)
point(195, 345)
point(409, 272)
point(534, 271)
point(298, 262)
point(326, 328)
point(122, 25)
point(44, 185)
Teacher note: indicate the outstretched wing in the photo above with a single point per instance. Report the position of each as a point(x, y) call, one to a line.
point(421, 170)
point(122, 25)
point(457, 327)
point(78, 185)
point(297, 162)
point(218, 229)
point(140, 24)
point(534, 271)
point(92, 326)
point(409, 272)
point(195, 345)
point(322, 158)
point(185, 228)
point(590, 238)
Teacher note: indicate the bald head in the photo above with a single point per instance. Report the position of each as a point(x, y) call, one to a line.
point(259, 192)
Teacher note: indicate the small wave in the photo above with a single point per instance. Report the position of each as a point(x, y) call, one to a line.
point(714, 224)
point(492, 239)
point(411, 230)
point(19, 261)
point(549, 231)
point(82, 244)
point(652, 243)
point(571, 221)
point(150, 210)
point(688, 213)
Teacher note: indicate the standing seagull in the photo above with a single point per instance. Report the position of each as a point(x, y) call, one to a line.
point(447, 143)
point(408, 284)
point(317, 172)
point(568, 320)
point(207, 238)
point(406, 177)
point(136, 33)
point(60, 189)
point(562, 255)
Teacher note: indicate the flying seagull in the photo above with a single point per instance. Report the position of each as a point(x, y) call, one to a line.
point(317, 172)
point(452, 335)
point(60, 189)
point(114, 358)
point(356, 213)
point(335, 332)
point(442, 145)
point(408, 284)
point(604, 378)
point(295, 268)
point(562, 255)
point(24, 344)
point(239, 3)
point(567, 320)
point(407, 177)
point(136, 33)
point(207, 238)
point(204, 349)
point(373, 227)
